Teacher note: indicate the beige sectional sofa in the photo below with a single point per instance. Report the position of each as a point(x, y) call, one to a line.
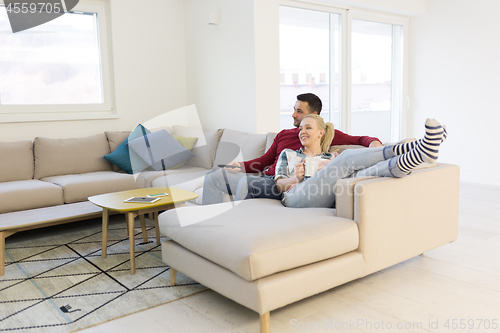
point(53, 172)
point(264, 255)
point(47, 181)
point(257, 252)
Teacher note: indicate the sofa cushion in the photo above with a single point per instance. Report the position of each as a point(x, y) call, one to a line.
point(55, 157)
point(241, 146)
point(189, 181)
point(116, 138)
point(126, 159)
point(79, 187)
point(205, 147)
point(230, 235)
point(160, 150)
point(16, 161)
point(171, 176)
point(28, 194)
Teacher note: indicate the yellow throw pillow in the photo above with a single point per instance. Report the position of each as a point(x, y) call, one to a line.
point(186, 142)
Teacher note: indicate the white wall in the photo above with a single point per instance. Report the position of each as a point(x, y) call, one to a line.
point(233, 67)
point(220, 62)
point(267, 65)
point(149, 69)
point(455, 78)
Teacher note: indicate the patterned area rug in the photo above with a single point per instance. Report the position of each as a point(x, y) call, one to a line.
point(56, 280)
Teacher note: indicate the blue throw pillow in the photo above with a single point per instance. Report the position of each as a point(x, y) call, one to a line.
point(125, 158)
point(160, 150)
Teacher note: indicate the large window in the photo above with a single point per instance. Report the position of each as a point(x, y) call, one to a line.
point(352, 61)
point(58, 70)
point(375, 79)
point(309, 53)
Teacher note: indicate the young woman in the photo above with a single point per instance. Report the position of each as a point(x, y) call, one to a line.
point(318, 191)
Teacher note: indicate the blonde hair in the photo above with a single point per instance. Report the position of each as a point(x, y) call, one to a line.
point(327, 138)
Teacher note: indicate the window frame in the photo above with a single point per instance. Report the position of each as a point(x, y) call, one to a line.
point(57, 112)
point(347, 14)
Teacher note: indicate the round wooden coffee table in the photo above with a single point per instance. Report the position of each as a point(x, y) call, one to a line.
point(115, 202)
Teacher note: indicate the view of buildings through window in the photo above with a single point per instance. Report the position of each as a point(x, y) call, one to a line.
point(308, 50)
point(58, 62)
point(310, 61)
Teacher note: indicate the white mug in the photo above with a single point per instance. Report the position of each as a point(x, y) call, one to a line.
point(311, 167)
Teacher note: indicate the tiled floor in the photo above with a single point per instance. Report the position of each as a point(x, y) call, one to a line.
point(456, 284)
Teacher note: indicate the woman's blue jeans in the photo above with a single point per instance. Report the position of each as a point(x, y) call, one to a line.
point(318, 191)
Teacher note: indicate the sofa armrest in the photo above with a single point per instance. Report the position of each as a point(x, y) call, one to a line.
point(144, 179)
point(401, 218)
point(344, 196)
point(194, 185)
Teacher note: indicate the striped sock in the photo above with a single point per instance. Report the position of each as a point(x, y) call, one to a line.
point(403, 148)
point(425, 150)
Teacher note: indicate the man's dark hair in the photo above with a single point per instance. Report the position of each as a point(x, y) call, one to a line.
point(313, 101)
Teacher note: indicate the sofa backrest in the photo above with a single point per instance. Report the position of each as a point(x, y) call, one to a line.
point(116, 138)
point(269, 139)
point(341, 148)
point(240, 146)
point(16, 161)
point(54, 157)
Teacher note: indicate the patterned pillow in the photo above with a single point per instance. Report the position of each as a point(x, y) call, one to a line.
point(160, 150)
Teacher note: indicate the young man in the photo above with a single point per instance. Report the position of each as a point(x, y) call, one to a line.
point(243, 186)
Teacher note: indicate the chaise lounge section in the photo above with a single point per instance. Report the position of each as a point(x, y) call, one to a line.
point(264, 255)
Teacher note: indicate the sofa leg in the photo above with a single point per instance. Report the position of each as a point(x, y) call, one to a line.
point(173, 276)
point(264, 323)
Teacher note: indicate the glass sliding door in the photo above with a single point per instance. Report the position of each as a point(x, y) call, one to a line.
point(309, 61)
point(335, 105)
point(376, 71)
point(353, 60)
